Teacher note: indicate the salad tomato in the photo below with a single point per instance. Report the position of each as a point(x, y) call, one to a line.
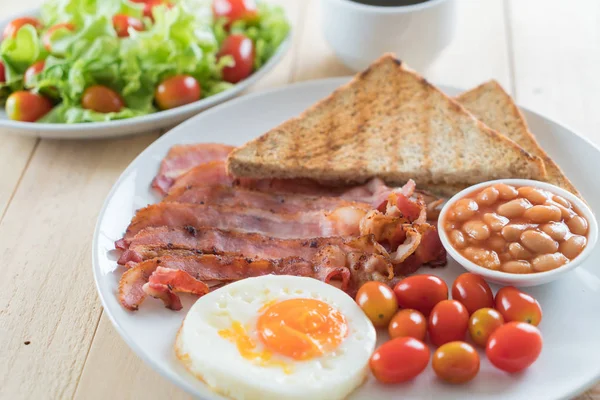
point(32, 71)
point(421, 292)
point(408, 323)
point(47, 36)
point(2, 73)
point(150, 4)
point(13, 27)
point(455, 362)
point(399, 360)
point(473, 292)
point(177, 91)
point(241, 49)
point(122, 23)
point(26, 106)
point(234, 10)
point(448, 322)
point(515, 305)
point(483, 323)
point(102, 99)
point(514, 346)
point(378, 302)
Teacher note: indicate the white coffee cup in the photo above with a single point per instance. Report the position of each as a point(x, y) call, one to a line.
point(360, 33)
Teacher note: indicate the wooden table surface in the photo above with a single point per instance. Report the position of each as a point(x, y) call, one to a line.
point(56, 343)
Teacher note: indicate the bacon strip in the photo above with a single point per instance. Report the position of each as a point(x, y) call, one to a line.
point(239, 197)
point(181, 158)
point(207, 174)
point(343, 221)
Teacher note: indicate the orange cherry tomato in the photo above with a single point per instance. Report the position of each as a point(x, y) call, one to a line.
point(32, 71)
point(13, 27)
point(421, 292)
point(408, 323)
point(483, 323)
point(102, 99)
point(150, 4)
point(448, 322)
point(26, 106)
point(241, 49)
point(515, 305)
point(399, 360)
point(234, 10)
point(514, 346)
point(47, 36)
point(122, 23)
point(455, 362)
point(473, 292)
point(378, 302)
point(177, 91)
point(2, 73)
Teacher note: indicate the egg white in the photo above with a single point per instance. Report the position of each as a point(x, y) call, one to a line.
point(217, 361)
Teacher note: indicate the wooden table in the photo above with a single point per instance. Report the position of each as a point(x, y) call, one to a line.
point(56, 343)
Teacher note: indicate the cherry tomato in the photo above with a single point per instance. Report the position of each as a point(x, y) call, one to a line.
point(47, 36)
point(378, 302)
point(241, 49)
point(13, 27)
point(421, 292)
point(32, 71)
point(514, 346)
point(123, 22)
point(26, 106)
point(233, 10)
point(455, 362)
point(2, 73)
point(399, 360)
point(177, 91)
point(473, 292)
point(150, 4)
point(102, 99)
point(515, 305)
point(483, 323)
point(448, 322)
point(408, 323)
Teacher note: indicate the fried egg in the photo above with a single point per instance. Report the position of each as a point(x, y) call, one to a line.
point(277, 337)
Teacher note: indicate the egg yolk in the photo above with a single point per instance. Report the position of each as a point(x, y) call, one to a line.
point(301, 328)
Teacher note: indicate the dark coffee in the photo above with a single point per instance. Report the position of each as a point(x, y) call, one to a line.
point(389, 3)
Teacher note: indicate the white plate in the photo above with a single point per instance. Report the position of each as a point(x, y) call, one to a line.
point(570, 360)
point(143, 124)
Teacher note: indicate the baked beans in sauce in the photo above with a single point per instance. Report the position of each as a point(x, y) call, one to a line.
point(518, 230)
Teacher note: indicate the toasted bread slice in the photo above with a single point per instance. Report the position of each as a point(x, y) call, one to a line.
point(495, 108)
point(387, 122)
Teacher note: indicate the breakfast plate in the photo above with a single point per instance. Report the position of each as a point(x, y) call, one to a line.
point(568, 364)
point(135, 125)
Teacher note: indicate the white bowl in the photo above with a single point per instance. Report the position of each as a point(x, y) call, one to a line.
point(522, 280)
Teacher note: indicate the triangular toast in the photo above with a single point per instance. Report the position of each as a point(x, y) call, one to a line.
point(490, 103)
point(387, 122)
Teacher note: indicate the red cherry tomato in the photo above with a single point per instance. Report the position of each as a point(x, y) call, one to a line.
point(515, 305)
point(150, 4)
point(13, 27)
point(27, 106)
point(483, 323)
point(455, 362)
point(2, 73)
point(378, 302)
point(241, 49)
point(32, 71)
point(473, 292)
point(234, 10)
point(47, 36)
point(448, 322)
point(123, 22)
point(408, 323)
point(399, 360)
point(102, 99)
point(514, 346)
point(177, 91)
point(421, 292)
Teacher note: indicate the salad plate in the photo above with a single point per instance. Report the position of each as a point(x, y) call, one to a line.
point(568, 364)
point(137, 124)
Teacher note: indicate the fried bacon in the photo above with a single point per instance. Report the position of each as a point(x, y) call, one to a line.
point(181, 158)
point(343, 221)
point(208, 174)
point(239, 197)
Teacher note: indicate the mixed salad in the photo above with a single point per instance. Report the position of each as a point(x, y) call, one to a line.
point(102, 60)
